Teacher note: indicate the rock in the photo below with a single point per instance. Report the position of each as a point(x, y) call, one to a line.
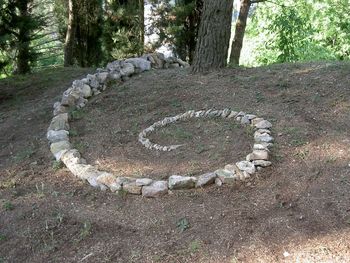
point(127, 69)
point(114, 66)
point(59, 148)
point(218, 182)
point(94, 84)
point(264, 131)
point(157, 188)
point(174, 65)
point(59, 122)
point(115, 75)
point(246, 166)
point(256, 120)
point(233, 114)
point(264, 124)
point(102, 77)
point(264, 137)
point(258, 155)
point(68, 99)
point(71, 157)
point(143, 181)
point(56, 136)
point(205, 179)
point(81, 89)
point(245, 175)
point(231, 168)
point(183, 63)
point(156, 61)
point(132, 188)
point(262, 163)
point(58, 108)
point(226, 177)
point(181, 182)
point(245, 120)
point(260, 146)
point(109, 180)
point(225, 113)
point(140, 64)
point(87, 172)
point(251, 116)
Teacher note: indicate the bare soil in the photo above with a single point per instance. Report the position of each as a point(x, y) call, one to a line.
point(295, 211)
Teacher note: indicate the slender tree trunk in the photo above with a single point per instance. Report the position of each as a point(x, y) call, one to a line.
point(23, 52)
point(213, 36)
point(241, 24)
point(70, 36)
point(142, 23)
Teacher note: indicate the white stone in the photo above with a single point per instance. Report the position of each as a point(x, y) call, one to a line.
point(109, 180)
point(264, 124)
point(143, 181)
point(59, 122)
point(140, 64)
point(102, 77)
point(218, 182)
point(264, 137)
point(232, 114)
point(59, 148)
point(226, 177)
point(205, 179)
point(181, 182)
point(157, 188)
point(258, 155)
point(56, 136)
point(262, 163)
point(127, 69)
point(246, 166)
point(132, 188)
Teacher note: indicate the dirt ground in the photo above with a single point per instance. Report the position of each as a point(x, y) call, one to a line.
point(295, 211)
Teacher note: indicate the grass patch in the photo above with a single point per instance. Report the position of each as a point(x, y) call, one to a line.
point(8, 206)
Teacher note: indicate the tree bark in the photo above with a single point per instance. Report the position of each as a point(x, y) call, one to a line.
point(23, 52)
point(241, 24)
point(213, 36)
point(70, 36)
point(142, 23)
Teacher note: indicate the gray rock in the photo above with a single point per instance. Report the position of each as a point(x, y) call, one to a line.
point(157, 188)
point(59, 148)
point(143, 181)
point(59, 122)
point(183, 63)
point(56, 136)
point(225, 113)
point(87, 172)
point(264, 124)
point(127, 69)
point(256, 120)
point(68, 99)
point(102, 77)
point(205, 179)
point(94, 84)
point(218, 181)
point(245, 120)
point(140, 64)
point(246, 166)
point(109, 180)
point(262, 163)
point(181, 182)
point(233, 114)
point(259, 146)
point(264, 137)
point(231, 168)
point(174, 65)
point(226, 177)
point(258, 155)
point(71, 157)
point(114, 66)
point(132, 188)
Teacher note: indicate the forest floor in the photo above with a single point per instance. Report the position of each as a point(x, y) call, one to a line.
point(294, 211)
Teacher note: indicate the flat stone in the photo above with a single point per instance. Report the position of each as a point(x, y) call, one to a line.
point(140, 64)
point(258, 155)
point(93, 81)
point(232, 114)
point(226, 177)
point(109, 180)
point(132, 188)
point(102, 77)
point(87, 172)
point(264, 137)
point(262, 163)
point(71, 157)
point(259, 146)
point(205, 179)
point(264, 124)
point(245, 120)
point(143, 181)
point(56, 136)
point(59, 148)
point(127, 69)
point(218, 181)
point(231, 168)
point(256, 120)
point(157, 188)
point(225, 113)
point(181, 182)
point(264, 131)
point(246, 166)
point(59, 122)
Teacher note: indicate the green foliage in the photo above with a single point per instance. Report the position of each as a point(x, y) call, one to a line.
point(177, 25)
point(183, 224)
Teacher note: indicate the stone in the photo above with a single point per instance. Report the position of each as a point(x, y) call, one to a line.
point(58, 108)
point(56, 136)
point(232, 114)
point(132, 188)
point(157, 188)
point(71, 157)
point(127, 69)
point(114, 66)
point(86, 172)
point(59, 148)
point(259, 146)
point(263, 131)
point(256, 120)
point(68, 99)
point(258, 155)
point(59, 122)
point(264, 124)
point(262, 163)
point(102, 77)
point(251, 116)
point(218, 182)
point(174, 65)
point(205, 179)
point(109, 180)
point(143, 181)
point(245, 120)
point(231, 168)
point(225, 113)
point(140, 64)
point(245, 175)
point(183, 63)
point(246, 166)
point(86, 91)
point(264, 137)
point(226, 177)
point(181, 182)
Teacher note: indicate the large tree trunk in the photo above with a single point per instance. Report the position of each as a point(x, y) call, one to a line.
point(70, 36)
point(213, 36)
point(142, 23)
point(241, 23)
point(23, 52)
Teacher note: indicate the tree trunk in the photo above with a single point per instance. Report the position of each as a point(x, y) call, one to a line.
point(23, 55)
point(241, 23)
point(213, 36)
point(70, 36)
point(142, 23)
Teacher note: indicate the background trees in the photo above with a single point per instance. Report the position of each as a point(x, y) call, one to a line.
point(45, 33)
